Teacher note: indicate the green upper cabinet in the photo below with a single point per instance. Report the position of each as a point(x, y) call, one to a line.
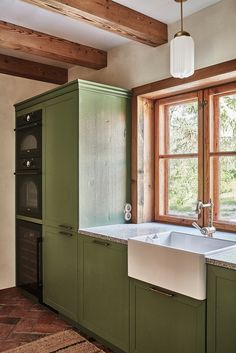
point(60, 164)
point(104, 154)
point(221, 310)
point(160, 323)
point(104, 290)
point(86, 153)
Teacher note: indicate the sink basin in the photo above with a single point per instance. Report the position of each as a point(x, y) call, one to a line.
point(173, 260)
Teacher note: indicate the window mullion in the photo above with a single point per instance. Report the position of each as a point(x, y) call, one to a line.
point(205, 178)
point(201, 137)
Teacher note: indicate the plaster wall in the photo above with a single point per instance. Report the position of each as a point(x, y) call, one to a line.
point(12, 90)
point(134, 64)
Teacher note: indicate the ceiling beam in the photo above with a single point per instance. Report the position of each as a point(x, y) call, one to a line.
point(44, 45)
point(111, 16)
point(35, 71)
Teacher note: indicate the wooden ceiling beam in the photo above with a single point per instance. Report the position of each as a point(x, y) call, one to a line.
point(44, 45)
point(110, 16)
point(35, 71)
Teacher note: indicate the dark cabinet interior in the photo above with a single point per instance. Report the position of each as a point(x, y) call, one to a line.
point(29, 202)
point(29, 257)
point(29, 194)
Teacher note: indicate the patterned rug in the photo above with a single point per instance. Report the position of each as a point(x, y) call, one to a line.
point(63, 342)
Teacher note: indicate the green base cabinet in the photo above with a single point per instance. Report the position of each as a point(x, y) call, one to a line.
point(221, 310)
point(104, 290)
point(165, 324)
point(60, 271)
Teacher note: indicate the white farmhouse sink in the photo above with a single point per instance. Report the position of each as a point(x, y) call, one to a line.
point(173, 260)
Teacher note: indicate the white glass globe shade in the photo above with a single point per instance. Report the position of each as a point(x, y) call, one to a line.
point(182, 56)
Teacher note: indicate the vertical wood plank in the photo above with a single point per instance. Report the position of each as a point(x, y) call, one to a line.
point(166, 161)
point(215, 160)
point(149, 160)
point(102, 155)
point(143, 134)
point(134, 160)
point(158, 194)
point(200, 153)
point(206, 141)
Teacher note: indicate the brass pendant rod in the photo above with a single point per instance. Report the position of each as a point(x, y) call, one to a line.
point(182, 21)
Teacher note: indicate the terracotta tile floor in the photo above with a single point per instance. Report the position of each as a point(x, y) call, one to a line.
point(23, 320)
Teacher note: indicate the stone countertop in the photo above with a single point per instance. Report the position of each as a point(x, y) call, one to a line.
point(225, 259)
point(120, 233)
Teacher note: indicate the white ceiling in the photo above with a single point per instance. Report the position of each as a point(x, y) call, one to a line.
point(167, 11)
point(27, 15)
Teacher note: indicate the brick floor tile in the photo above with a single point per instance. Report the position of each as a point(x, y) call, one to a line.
point(5, 330)
point(9, 320)
point(25, 325)
point(25, 337)
point(45, 328)
point(6, 309)
point(23, 320)
point(4, 346)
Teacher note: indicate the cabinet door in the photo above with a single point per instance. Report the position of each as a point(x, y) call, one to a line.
point(104, 155)
point(60, 271)
point(221, 310)
point(60, 159)
point(104, 290)
point(163, 324)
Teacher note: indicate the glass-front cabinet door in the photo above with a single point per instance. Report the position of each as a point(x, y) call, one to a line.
point(29, 195)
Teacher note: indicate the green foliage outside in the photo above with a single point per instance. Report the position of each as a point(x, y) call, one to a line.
point(183, 173)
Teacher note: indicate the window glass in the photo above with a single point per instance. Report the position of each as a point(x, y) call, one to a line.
point(183, 128)
point(183, 186)
point(227, 188)
point(227, 123)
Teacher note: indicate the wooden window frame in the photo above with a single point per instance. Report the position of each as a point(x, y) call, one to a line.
point(142, 149)
point(161, 122)
point(212, 95)
point(208, 137)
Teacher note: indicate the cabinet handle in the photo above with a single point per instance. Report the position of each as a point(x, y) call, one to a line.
point(27, 126)
point(161, 292)
point(65, 233)
point(65, 226)
point(26, 172)
point(98, 242)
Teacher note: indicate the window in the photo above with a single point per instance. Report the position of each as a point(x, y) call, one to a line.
point(221, 154)
point(196, 156)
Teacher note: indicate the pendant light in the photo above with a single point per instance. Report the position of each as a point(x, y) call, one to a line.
point(182, 52)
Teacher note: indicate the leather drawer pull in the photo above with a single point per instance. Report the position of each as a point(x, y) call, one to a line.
point(161, 292)
point(65, 233)
point(65, 226)
point(98, 242)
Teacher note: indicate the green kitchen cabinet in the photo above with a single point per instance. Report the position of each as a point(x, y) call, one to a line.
point(60, 161)
point(60, 271)
point(104, 290)
point(162, 323)
point(86, 153)
point(104, 154)
point(221, 310)
point(85, 175)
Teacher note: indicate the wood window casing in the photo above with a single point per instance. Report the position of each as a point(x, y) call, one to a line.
point(208, 155)
point(213, 152)
point(163, 156)
point(210, 77)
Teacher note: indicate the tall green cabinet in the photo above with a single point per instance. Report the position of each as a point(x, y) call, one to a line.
point(86, 176)
point(60, 203)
